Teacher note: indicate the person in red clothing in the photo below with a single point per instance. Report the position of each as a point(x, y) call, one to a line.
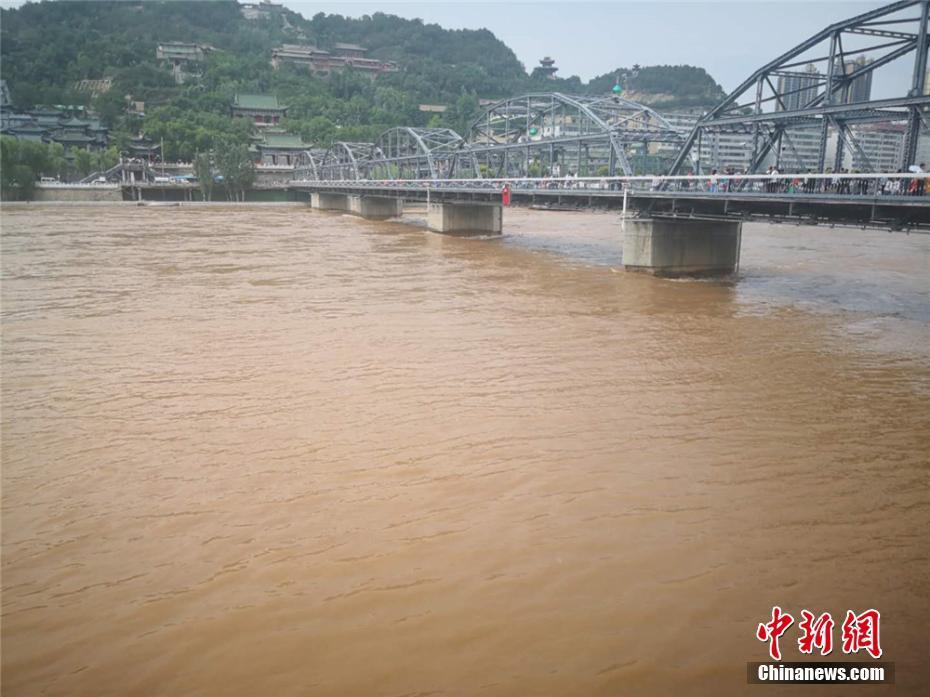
point(505, 195)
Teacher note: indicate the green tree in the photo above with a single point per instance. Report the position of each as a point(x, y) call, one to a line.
point(22, 162)
point(236, 167)
point(103, 160)
point(83, 162)
point(110, 106)
point(203, 170)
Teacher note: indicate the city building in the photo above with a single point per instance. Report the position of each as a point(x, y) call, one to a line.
point(718, 151)
point(860, 90)
point(262, 109)
point(547, 67)
point(882, 144)
point(184, 59)
point(798, 89)
point(881, 148)
point(321, 62)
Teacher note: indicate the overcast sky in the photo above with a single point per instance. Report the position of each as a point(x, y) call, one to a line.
point(729, 39)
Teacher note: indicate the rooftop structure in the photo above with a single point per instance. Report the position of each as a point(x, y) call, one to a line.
point(349, 50)
point(278, 148)
point(55, 126)
point(321, 62)
point(183, 58)
point(297, 54)
point(142, 147)
point(263, 109)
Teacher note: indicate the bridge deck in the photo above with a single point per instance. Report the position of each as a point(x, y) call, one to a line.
point(899, 211)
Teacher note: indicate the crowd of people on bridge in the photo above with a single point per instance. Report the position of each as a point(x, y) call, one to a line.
point(842, 182)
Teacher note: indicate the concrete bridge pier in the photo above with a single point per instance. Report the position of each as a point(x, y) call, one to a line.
point(329, 202)
point(672, 247)
point(465, 218)
point(376, 207)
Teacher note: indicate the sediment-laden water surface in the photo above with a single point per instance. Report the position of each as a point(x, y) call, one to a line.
point(272, 451)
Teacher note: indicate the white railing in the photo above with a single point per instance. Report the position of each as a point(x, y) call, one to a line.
point(76, 185)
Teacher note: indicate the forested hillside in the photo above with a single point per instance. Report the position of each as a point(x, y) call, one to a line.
point(47, 47)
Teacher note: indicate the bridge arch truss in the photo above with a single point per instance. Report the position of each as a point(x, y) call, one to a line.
point(415, 153)
point(545, 134)
point(309, 163)
point(553, 134)
point(807, 109)
point(349, 161)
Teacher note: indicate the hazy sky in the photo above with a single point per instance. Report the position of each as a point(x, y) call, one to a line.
point(729, 39)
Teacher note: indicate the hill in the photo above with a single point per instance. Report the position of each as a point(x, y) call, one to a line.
point(48, 47)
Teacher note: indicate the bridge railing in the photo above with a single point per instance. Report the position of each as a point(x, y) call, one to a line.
point(800, 185)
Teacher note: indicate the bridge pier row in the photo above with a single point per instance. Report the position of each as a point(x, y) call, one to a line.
point(376, 207)
point(465, 218)
point(672, 247)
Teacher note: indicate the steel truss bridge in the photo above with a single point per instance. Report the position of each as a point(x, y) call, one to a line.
point(811, 93)
point(530, 135)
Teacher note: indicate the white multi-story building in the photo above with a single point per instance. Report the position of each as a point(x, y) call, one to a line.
point(718, 151)
point(882, 146)
point(800, 151)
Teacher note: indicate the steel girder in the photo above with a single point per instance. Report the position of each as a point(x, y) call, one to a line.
point(556, 134)
point(350, 161)
point(777, 99)
point(415, 153)
point(308, 164)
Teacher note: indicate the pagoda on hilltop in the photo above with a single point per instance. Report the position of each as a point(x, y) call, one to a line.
point(547, 67)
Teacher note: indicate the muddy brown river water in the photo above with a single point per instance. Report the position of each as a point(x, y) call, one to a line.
point(263, 450)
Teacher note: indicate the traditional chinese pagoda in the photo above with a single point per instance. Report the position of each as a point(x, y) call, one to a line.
point(142, 148)
point(547, 67)
point(277, 148)
point(262, 109)
point(55, 125)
